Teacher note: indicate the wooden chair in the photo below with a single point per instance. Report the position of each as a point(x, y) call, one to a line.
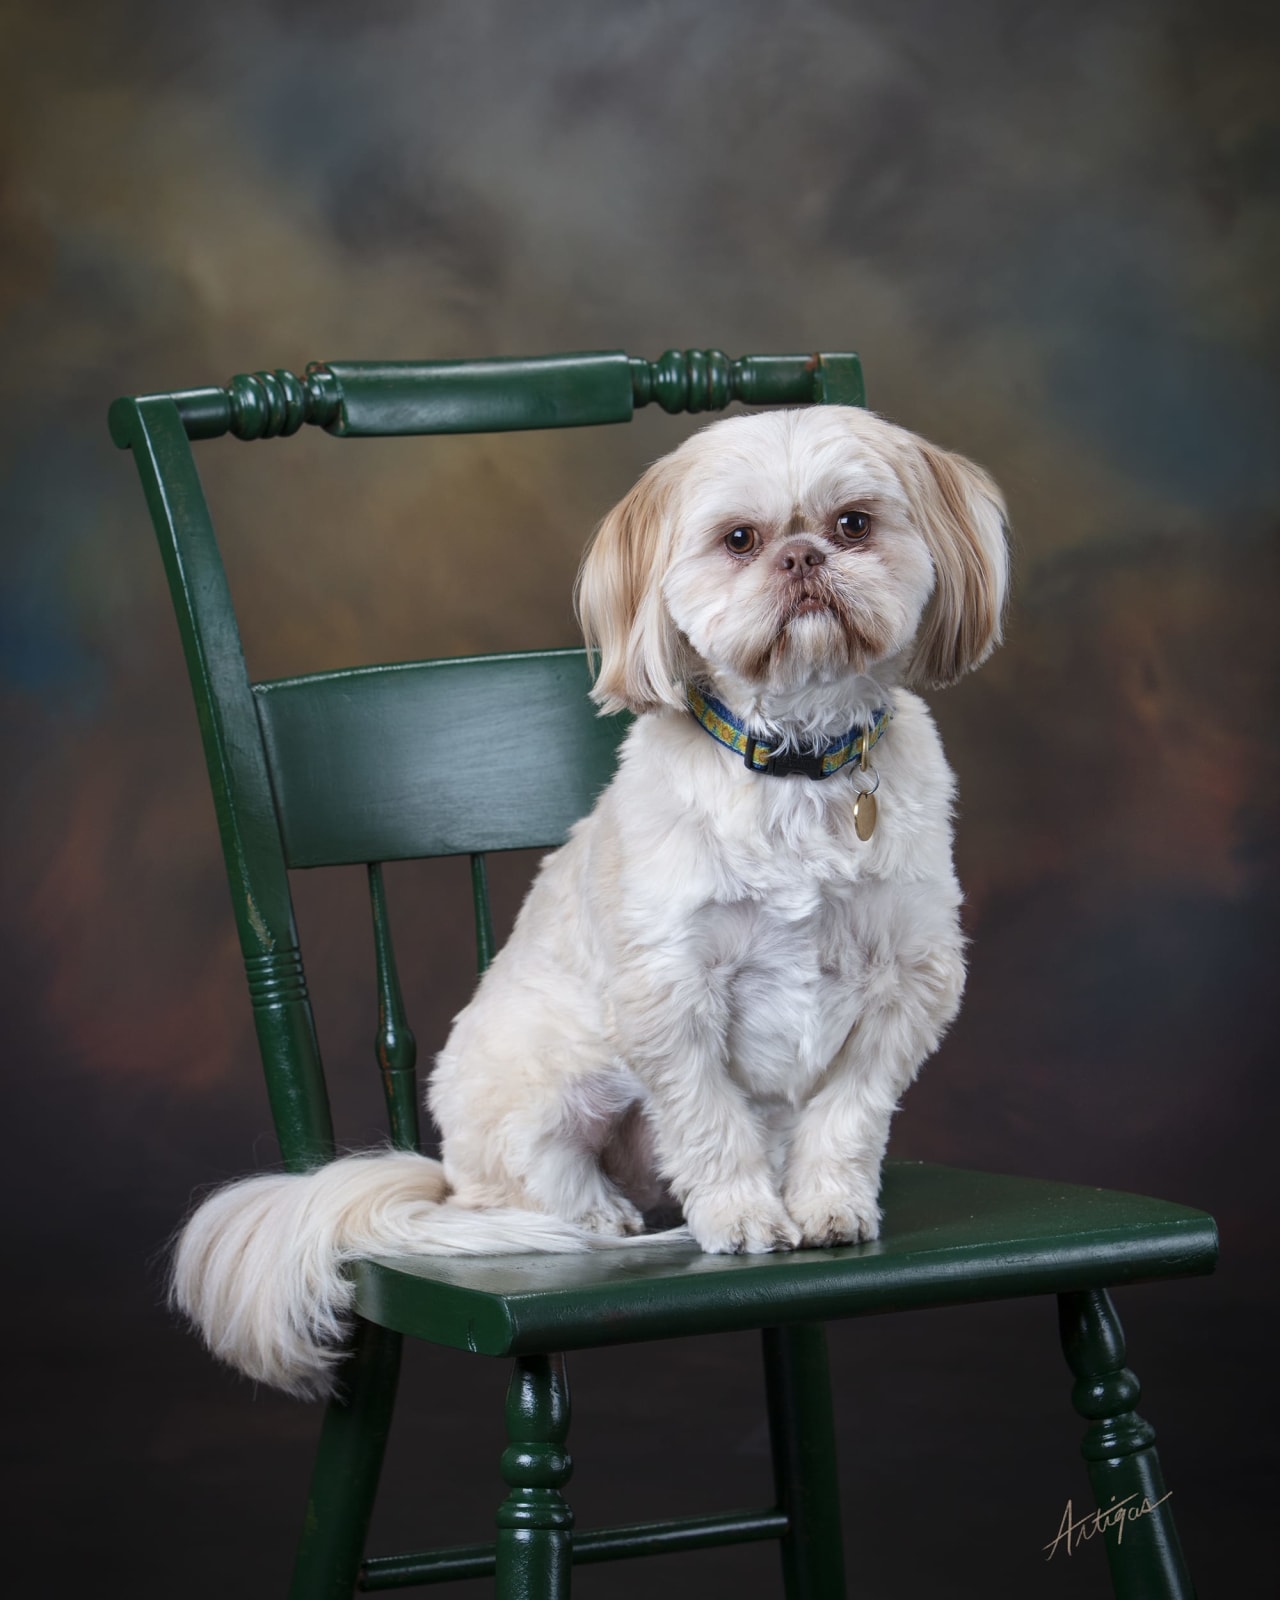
point(333, 769)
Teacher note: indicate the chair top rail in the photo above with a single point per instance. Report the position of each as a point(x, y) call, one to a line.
point(353, 399)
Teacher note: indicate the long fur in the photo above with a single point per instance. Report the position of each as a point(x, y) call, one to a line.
point(258, 1268)
point(716, 992)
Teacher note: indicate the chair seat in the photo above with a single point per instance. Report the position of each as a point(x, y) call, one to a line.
point(948, 1236)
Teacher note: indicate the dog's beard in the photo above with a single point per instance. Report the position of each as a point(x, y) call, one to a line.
point(812, 629)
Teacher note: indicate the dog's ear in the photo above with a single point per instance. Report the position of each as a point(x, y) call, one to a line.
point(620, 605)
point(962, 516)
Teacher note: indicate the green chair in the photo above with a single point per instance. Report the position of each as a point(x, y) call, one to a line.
point(333, 769)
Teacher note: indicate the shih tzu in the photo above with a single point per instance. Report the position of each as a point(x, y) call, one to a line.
point(722, 984)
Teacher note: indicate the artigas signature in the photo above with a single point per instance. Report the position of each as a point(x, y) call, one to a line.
point(1073, 1531)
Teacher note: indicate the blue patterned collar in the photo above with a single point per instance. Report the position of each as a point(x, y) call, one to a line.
point(725, 729)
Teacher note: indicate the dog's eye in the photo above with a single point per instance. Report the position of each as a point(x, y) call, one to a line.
point(742, 541)
point(853, 525)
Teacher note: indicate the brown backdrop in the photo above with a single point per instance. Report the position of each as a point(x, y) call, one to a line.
point(1051, 231)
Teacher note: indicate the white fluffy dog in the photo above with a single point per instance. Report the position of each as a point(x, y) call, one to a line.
point(725, 980)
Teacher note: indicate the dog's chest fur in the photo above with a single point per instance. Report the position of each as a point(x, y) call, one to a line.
point(787, 969)
point(759, 890)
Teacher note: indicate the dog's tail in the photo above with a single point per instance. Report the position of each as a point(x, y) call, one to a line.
point(258, 1268)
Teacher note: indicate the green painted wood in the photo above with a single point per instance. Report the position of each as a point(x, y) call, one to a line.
point(435, 758)
point(238, 773)
point(667, 1538)
point(806, 1476)
point(949, 1236)
point(839, 381)
point(707, 380)
point(355, 399)
point(590, 1546)
point(254, 405)
point(396, 1047)
point(483, 914)
point(1145, 1555)
point(535, 1539)
point(492, 396)
point(344, 1479)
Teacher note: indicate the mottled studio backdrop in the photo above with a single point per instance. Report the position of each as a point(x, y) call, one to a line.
point(1051, 230)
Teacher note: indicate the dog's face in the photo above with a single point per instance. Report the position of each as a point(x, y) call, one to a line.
point(793, 549)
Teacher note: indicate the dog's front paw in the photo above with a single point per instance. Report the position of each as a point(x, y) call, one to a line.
point(828, 1216)
point(737, 1222)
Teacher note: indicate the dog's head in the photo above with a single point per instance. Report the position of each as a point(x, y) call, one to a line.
point(790, 549)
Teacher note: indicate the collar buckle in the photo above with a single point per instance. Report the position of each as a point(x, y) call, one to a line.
point(782, 764)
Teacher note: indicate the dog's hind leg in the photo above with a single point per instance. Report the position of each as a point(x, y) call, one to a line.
point(562, 1159)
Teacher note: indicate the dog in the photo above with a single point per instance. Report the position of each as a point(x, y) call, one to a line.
point(719, 988)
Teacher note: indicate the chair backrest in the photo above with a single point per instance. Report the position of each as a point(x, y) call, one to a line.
point(364, 765)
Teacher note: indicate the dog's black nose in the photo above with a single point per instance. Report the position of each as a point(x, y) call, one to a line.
point(797, 554)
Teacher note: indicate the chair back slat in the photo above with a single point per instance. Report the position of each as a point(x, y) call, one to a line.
point(397, 1049)
point(434, 758)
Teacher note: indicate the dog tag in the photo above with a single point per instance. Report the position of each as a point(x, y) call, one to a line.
point(864, 816)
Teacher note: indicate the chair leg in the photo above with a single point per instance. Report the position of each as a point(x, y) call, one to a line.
point(803, 1436)
point(348, 1463)
point(1134, 1517)
point(535, 1541)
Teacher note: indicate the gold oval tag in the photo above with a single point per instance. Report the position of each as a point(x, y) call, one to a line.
point(864, 816)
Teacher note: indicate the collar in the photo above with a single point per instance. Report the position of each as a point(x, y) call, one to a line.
point(725, 729)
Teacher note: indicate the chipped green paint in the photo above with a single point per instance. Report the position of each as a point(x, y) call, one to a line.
point(259, 927)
